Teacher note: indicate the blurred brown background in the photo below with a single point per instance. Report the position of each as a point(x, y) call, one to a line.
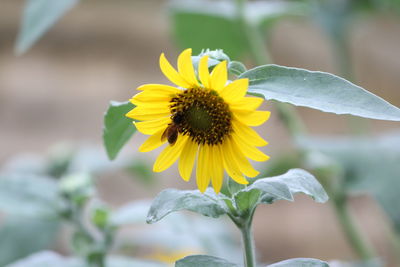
point(102, 50)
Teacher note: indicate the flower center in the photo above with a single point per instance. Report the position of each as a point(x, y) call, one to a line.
point(202, 114)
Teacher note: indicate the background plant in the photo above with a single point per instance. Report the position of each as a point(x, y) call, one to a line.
point(356, 175)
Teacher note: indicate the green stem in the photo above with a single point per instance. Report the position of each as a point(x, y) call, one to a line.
point(256, 44)
point(260, 55)
point(76, 219)
point(295, 126)
point(393, 236)
point(248, 244)
point(288, 115)
point(353, 234)
point(342, 55)
point(244, 222)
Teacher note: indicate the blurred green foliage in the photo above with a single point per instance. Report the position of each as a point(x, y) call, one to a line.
point(37, 197)
point(118, 129)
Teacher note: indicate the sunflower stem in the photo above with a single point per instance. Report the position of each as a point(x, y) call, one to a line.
point(353, 234)
point(248, 245)
point(244, 222)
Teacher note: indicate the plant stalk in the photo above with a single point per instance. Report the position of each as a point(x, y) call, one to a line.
point(260, 56)
point(248, 244)
point(296, 127)
point(352, 232)
point(257, 48)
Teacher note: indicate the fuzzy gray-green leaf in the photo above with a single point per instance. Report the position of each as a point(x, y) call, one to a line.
point(170, 200)
point(22, 236)
point(236, 68)
point(118, 129)
point(29, 195)
point(203, 260)
point(286, 185)
point(300, 262)
point(38, 17)
point(318, 90)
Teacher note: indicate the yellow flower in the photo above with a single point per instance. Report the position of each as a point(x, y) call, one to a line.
point(205, 117)
point(172, 257)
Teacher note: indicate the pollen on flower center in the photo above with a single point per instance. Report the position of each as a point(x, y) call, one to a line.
point(203, 115)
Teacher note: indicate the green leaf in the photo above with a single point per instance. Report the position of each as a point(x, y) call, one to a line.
point(117, 128)
point(21, 236)
point(281, 187)
point(318, 90)
point(171, 200)
point(47, 259)
point(246, 201)
point(236, 68)
point(120, 261)
point(203, 24)
point(211, 62)
point(301, 262)
point(203, 260)
point(101, 217)
point(78, 187)
point(29, 195)
point(234, 187)
point(81, 244)
point(207, 24)
point(38, 17)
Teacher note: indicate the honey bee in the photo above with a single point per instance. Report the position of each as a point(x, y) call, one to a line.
point(171, 132)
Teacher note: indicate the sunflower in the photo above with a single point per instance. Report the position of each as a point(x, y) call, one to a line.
point(206, 117)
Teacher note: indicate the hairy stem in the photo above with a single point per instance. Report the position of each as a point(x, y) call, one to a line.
point(353, 234)
point(248, 244)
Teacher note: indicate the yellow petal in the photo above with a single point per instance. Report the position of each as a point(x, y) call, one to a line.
point(171, 73)
point(152, 142)
point(216, 169)
point(202, 177)
point(204, 74)
point(159, 88)
point(246, 104)
point(149, 104)
point(247, 134)
point(169, 155)
point(152, 126)
point(148, 113)
point(235, 91)
point(219, 77)
point(144, 117)
point(230, 164)
point(185, 67)
point(150, 96)
point(252, 118)
point(186, 161)
point(249, 151)
point(243, 163)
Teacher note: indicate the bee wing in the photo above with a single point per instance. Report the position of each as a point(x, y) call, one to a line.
point(165, 134)
point(172, 137)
